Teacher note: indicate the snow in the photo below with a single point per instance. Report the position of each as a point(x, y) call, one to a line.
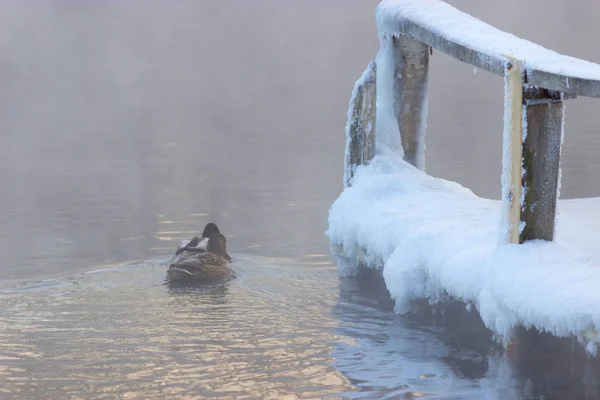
point(435, 238)
point(456, 26)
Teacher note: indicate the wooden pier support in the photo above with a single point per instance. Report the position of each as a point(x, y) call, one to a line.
point(411, 77)
point(511, 148)
point(361, 130)
point(543, 110)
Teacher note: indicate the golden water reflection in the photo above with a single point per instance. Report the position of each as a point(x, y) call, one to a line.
point(120, 333)
point(283, 329)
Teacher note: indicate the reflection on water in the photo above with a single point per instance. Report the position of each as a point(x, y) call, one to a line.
point(445, 351)
point(434, 352)
point(123, 333)
point(282, 329)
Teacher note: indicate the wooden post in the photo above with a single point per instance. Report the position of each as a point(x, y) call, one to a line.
point(411, 77)
point(361, 129)
point(511, 190)
point(541, 157)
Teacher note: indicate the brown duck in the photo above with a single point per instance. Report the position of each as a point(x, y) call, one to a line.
point(196, 244)
point(202, 266)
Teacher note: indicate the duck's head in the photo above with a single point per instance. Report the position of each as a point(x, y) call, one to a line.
point(210, 229)
point(217, 244)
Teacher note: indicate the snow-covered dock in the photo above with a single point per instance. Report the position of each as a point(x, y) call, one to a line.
point(433, 238)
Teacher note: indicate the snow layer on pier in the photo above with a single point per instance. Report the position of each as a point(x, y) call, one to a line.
point(436, 238)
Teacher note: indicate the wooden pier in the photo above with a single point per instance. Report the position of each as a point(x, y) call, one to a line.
point(537, 83)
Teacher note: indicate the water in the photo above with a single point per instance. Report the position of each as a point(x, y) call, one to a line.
point(119, 333)
point(125, 126)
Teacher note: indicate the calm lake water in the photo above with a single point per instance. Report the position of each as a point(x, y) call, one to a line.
point(126, 126)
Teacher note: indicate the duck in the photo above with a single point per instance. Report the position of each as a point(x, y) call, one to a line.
point(197, 244)
point(202, 266)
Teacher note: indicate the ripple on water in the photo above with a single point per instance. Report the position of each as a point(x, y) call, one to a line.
point(44, 285)
point(119, 332)
point(281, 328)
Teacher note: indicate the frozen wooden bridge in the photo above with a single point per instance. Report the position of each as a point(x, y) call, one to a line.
point(433, 238)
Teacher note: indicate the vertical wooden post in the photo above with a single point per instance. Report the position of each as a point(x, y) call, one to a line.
point(369, 122)
point(361, 126)
point(541, 156)
point(411, 77)
point(511, 164)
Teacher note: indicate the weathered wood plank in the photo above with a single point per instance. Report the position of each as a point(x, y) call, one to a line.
point(472, 41)
point(541, 158)
point(361, 134)
point(511, 195)
point(410, 94)
point(369, 121)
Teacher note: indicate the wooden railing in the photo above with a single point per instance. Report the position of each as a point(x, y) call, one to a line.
point(537, 81)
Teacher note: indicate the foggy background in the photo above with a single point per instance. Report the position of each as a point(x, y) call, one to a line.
point(126, 125)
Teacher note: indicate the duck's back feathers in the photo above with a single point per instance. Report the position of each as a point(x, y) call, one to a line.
point(191, 245)
point(201, 258)
point(204, 266)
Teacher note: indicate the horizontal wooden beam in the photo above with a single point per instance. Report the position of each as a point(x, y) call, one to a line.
point(472, 41)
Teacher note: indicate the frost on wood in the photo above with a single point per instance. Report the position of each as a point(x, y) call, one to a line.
point(411, 59)
point(468, 39)
point(360, 125)
point(387, 131)
point(562, 141)
point(541, 157)
point(402, 78)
